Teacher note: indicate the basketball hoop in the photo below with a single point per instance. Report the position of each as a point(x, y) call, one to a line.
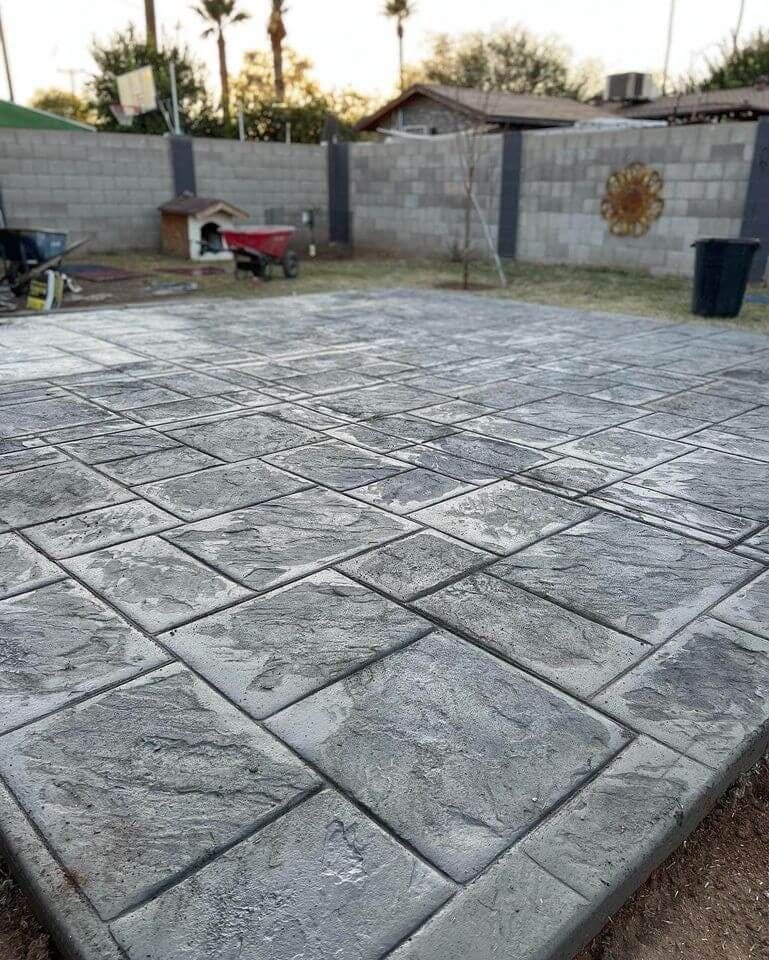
point(136, 94)
point(124, 114)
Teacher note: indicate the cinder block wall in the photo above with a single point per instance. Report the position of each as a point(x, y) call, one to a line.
point(409, 195)
point(404, 196)
point(271, 181)
point(106, 185)
point(110, 185)
point(705, 170)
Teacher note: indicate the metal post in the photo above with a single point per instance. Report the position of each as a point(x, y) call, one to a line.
point(288, 131)
point(241, 126)
point(174, 97)
point(5, 60)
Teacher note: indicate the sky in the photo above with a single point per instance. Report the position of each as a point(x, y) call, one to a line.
point(352, 44)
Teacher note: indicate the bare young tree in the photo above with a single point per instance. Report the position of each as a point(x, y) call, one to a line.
point(477, 152)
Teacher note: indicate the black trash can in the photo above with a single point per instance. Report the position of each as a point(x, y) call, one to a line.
point(721, 272)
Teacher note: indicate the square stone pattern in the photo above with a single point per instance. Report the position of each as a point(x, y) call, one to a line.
point(322, 881)
point(22, 568)
point(396, 624)
point(264, 546)
point(242, 438)
point(104, 527)
point(703, 694)
point(503, 517)
point(748, 608)
point(338, 465)
point(428, 737)
point(59, 644)
point(268, 652)
point(57, 490)
point(627, 575)
point(416, 564)
point(154, 583)
point(558, 644)
point(208, 492)
point(715, 479)
point(163, 771)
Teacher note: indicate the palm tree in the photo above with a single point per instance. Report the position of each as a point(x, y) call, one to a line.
point(276, 29)
point(218, 13)
point(400, 10)
point(149, 17)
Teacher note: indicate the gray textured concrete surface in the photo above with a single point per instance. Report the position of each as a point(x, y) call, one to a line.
point(394, 624)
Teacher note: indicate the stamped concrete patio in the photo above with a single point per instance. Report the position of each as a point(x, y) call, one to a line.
point(358, 626)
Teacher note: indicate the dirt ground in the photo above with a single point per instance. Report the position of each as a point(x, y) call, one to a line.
point(708, 901)
point(21, 937)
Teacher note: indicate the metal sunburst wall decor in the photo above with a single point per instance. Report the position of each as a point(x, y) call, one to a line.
point(632, 201)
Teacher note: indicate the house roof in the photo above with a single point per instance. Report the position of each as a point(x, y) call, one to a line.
point(201, 207)
point(494, 106)
point(712, 102)
point(30, 118)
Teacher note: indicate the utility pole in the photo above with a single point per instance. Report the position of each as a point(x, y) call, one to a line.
point(5, 61)
point(667, 47)
point(71, 72)
point(736, 36)
point(149, 19)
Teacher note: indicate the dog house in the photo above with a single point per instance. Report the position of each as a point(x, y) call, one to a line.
point(189, 227)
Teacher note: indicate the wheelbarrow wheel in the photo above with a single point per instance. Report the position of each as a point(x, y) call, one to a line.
point(290, 265)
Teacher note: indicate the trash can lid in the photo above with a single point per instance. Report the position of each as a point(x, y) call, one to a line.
point(730, 241)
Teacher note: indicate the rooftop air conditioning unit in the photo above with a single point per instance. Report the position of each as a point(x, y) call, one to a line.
point(630, 86)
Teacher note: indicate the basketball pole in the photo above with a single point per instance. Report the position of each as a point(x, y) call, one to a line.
point(174, 97)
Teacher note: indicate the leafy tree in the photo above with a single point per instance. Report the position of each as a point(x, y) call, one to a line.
point(739, 66)
point(276, 30)
point(256, 82)
point(218, 14)
point(513, 60)
point(400, 11)
point(63, 103)
point(124, 51)
point(304, 105)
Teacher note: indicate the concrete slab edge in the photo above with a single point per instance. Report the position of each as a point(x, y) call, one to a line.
point(75, 929)
point(80, 935)
point(521, 910)
point(585, 926)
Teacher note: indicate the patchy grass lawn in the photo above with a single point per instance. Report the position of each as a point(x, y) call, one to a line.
point(615, 291)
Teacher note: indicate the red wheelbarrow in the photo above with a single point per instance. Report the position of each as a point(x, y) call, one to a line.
point(258, 249)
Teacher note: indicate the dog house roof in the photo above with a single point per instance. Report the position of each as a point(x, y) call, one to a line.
point(201, 207)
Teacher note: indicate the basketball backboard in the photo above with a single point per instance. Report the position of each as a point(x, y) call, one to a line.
point(136, 91)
